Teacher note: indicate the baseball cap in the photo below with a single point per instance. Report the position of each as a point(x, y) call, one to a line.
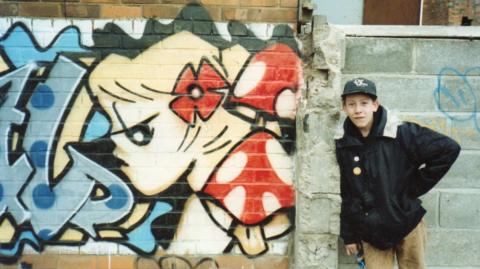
point(360, 85)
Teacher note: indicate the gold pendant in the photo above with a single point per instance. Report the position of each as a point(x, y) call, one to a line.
point(357, 171)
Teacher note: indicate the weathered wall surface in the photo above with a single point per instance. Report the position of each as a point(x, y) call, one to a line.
point(220, 10)
point(317, 177)
point(147, 143)
point(432, 80)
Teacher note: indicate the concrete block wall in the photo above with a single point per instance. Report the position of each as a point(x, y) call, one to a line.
point(432, 80)
point(147, 143)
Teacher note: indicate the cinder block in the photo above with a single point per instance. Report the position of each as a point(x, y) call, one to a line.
point(316, 251)
point(435, 121)
point(460, 210)
point(319, 214)
point(467, 132)
point(464, 173)
point(458, 91)
point(453, 248)
point(430, 203)
point(402, 93)
point(378, 55)
point(431, 55)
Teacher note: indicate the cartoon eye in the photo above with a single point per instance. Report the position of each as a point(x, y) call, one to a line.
point(140, 134)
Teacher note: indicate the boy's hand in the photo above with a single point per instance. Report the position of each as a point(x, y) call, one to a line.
point(351, 249)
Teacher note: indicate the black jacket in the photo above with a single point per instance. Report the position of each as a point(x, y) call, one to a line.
point(383, 175)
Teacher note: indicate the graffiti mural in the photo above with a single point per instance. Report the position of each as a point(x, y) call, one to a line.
point(455, 93)
point(177, 141)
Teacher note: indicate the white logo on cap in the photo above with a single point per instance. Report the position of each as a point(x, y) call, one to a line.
point(360, 82)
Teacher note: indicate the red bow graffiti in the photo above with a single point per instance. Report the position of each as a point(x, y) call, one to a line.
point(197, 92)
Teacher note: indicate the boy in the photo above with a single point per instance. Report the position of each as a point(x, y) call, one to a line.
point(385, 165)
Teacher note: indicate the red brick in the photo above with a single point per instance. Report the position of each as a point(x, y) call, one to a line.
point(289, 3)
point(7, 9)
point(267, 262)
point(61, 1)
point(40, 10)
point(83, 11)
point(177, 1)
point(141, 2)
point(221, 2)
point(76, 261)
point(215, 12)
point(230, 14)
point(272, 15)
point(234, 261)
point(100, 1)
point(122, 262)
point(161, 11)
point(43, 261)
point(102, 262)
point(110, 11)
point(258, 3)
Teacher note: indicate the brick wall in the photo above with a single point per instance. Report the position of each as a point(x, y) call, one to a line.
point(220, 10)
point(410, 73)
point(451, 12)
point(147, 143)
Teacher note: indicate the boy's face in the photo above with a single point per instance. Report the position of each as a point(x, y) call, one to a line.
point(359, 109)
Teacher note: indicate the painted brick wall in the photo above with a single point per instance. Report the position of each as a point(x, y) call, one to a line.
point(147, 143)
point(434, 82)
point(242, 10)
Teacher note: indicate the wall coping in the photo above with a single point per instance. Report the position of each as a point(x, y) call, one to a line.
point(408, 31)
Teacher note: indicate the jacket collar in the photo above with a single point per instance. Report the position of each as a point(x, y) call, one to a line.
point(383, 127)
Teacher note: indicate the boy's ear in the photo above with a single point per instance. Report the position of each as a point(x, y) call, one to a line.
point(376, 104)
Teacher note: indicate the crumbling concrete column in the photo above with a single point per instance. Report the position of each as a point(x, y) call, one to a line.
point(317, 175)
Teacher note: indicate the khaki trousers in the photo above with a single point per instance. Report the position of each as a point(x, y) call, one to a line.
point(410, 252)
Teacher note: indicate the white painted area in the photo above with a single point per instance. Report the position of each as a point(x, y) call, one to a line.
point(61, 250)
point(263, 31)
point(138, 28)
point(222, 28)
point(165, 21)
point(252, 75)
point(232, 167)
point(99, 24)
point(126, 25)
point(26, 21)
point(286, 104)
point(340, 11)
point(270, 203)
point(4, 25)
point(99, 248)
point(123, 250)
point(85, 26)
point(235, 201)
point(205, 238)
point(87, 39)
point(59, 24)
point(280, 161)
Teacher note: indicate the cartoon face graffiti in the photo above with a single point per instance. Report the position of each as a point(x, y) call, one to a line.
point(156, 121)
point(178, 115)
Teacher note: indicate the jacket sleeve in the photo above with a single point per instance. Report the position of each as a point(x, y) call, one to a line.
point(347, 231)
point(433, 154)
